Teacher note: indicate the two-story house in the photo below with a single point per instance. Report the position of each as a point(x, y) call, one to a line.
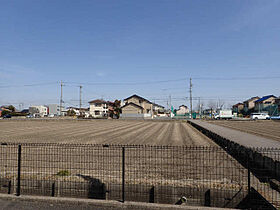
point(250, 103)
point(98, 108)
point(38, 111)
point(264, 102)
point(137, 106)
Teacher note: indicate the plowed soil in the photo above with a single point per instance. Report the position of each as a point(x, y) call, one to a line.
point(102, 132)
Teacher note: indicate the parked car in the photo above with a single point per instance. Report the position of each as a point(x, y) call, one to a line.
point(7, 116)
point(275, 117)
point(260, 116)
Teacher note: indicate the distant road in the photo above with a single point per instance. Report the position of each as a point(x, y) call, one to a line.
point(265, 128)
point(240, 137)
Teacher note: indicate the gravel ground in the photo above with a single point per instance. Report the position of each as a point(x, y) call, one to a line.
point(102, 132)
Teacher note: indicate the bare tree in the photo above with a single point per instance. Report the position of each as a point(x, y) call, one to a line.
point(212, 104)
point(220, 104)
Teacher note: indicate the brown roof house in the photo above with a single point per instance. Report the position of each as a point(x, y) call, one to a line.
point(250, 103)
point(238, 107)
point(137, 106)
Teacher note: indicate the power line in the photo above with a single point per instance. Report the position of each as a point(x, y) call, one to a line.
point(29, 85)
point(126, 83)
point(236, 78)
point(146, 82)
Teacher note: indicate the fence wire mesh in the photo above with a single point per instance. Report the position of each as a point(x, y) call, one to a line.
point(205, 176)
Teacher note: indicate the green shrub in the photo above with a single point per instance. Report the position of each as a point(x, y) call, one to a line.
point(63, 173)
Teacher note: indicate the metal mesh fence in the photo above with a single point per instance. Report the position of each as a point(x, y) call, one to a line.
point(206, 176)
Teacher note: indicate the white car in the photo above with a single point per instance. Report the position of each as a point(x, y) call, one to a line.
point(260, 116)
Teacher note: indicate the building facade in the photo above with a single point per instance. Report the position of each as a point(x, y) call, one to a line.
point(137, 106)
point(264, 102)
point(54, 109)
point(38, 111)
point(183, 110)
point(98, 108)
point(250, 103)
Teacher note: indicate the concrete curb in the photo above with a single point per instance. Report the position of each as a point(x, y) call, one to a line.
point(100, 204)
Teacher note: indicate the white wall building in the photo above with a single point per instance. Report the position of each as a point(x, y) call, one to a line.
point(54, 109)
point(38, 111)
point(98, 108)
point(183, 110)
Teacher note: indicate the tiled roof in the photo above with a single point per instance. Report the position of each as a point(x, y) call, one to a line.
point(133, 104)
point(98, 101)
point(136, 96)
point(264, 98)
point(158, 105)
point(251, 99)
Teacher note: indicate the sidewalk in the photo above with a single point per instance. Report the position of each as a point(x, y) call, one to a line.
point(242, 138)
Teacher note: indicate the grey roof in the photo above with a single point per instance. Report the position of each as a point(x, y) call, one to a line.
point(136, 96)
point(98, 101)
point(133, 104)
point(158, 105)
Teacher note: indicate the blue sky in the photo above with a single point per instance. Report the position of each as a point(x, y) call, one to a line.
point(87, 42)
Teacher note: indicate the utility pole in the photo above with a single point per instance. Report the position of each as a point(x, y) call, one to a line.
point(191, 97)
point(199, 107)
point(170, 102)
point(80, 97)
point(61, 101)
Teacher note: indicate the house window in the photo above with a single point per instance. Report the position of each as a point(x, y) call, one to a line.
point(96, 112)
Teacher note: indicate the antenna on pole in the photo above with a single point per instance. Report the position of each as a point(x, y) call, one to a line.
point(191, 97)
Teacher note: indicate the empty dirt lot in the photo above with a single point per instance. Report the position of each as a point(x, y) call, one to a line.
point(170, 170)
point(266, 128)
point(101, 132)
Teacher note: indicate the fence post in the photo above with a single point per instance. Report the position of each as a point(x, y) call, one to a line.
point(152, 195)
point(123, 174)
point(9, 186)
point(207, 199)
point(19, 167)
point(249, 178)
point(53, 189)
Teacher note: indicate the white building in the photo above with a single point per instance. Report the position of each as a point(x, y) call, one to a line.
point(79, 111)
point(54, 109)
point(183, 110)
point(98, 108)
point(38, 111)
